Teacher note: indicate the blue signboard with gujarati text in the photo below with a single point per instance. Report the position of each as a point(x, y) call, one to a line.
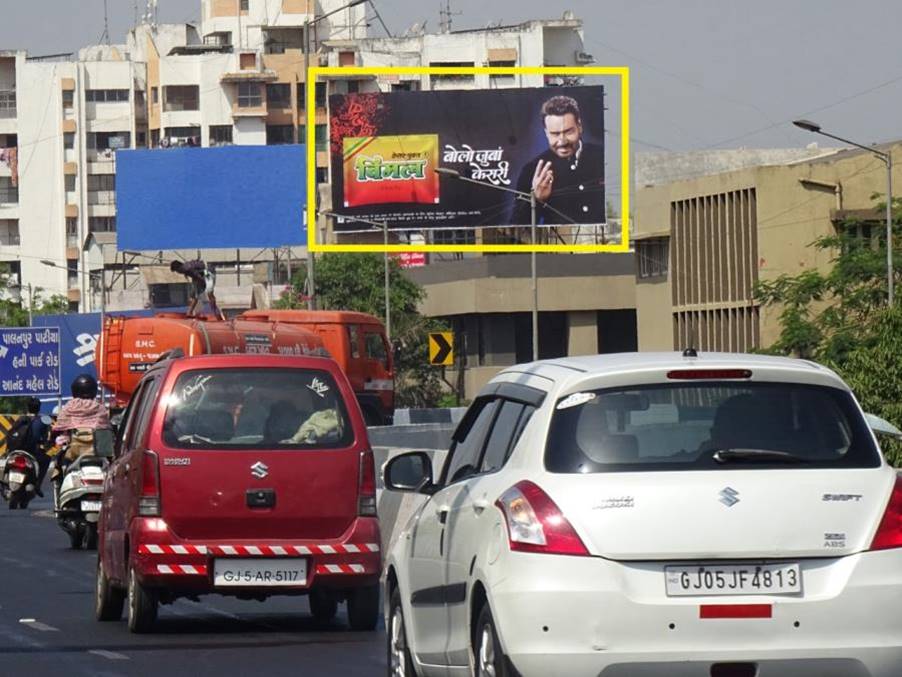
point(29, 361)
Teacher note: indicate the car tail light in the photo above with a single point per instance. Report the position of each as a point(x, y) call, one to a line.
point(707, 374)
point(889, 533)
point(366, 492)
point(149, 501)
point(536, 524)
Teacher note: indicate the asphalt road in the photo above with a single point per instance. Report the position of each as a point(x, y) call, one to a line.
point(47, 625)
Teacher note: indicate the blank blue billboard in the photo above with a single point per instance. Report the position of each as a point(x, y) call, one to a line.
point(210, 198)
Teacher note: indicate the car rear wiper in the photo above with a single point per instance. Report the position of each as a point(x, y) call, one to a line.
point(729, 455)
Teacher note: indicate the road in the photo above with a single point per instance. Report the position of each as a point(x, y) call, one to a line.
point(47, 625)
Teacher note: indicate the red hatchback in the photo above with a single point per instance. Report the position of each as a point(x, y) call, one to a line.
point(243, 475)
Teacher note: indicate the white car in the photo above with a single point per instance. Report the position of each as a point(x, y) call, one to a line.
point(711, 515)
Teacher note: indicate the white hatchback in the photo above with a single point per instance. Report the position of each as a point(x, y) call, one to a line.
point(634, 515)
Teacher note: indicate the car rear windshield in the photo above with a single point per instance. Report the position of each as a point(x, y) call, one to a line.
point(256, 409)
point(708, 426)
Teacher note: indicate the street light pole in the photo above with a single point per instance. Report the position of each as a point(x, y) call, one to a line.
point(887, 159)
point(311, 257)
point(526, 197)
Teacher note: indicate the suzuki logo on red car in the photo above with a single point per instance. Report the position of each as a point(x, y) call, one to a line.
point(259, 470)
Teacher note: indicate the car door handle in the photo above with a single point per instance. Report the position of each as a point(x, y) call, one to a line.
point(442, 513)
point(479, 505)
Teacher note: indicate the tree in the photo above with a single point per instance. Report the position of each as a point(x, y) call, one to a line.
point(840, 318)
point(356, 282)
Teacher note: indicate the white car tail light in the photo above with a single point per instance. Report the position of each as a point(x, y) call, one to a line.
point(536, 524)
point(149, 501)
point(889, 533)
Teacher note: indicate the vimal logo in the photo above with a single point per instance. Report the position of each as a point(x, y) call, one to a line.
point(729, 497)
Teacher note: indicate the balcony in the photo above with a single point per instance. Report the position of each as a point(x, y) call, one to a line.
point(9, 196)
point(102, 197)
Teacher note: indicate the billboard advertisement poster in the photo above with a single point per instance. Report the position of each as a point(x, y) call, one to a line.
point(30, 360)
point(386, 146)
point(410, 259)
point(390, 169)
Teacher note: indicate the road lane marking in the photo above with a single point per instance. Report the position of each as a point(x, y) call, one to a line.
point(111, 655)
point(37, 625)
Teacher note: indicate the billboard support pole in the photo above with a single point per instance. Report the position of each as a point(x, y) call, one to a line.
point(535, 281)
point(387, 296)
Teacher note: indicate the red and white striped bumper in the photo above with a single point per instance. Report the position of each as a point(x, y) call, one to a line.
point(261, 550)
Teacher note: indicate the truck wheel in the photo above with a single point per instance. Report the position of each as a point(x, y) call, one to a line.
point(142, 605)
point(363, 608)
point(323, 605)
point(108, 601)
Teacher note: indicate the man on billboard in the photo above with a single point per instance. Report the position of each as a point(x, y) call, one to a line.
point(568, 178)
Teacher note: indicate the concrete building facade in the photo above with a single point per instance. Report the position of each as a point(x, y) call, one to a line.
point(703, 242)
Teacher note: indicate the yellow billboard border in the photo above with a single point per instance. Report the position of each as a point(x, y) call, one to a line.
point(314, 72)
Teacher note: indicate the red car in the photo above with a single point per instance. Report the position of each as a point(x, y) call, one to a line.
point(243, 475)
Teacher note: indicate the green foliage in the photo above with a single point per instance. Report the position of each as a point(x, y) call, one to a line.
point(357, 282)
point(841, 319)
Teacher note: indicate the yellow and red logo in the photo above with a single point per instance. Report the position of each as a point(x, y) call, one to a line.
point(382, 169)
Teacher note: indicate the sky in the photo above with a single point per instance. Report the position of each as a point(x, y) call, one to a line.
point(705, 73)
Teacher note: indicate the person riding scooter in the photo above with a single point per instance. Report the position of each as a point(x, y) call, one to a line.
point(79, 418)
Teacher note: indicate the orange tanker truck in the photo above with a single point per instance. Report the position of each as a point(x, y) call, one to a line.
point(129, 345)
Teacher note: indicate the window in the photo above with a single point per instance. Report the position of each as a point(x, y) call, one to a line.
point(463, 460)
point(653, 257)
point(695, 426)
point(9, 194)
point(69, 182)
point(322, 175)
point(354, 340)
point(320, 95)
point(505, 432)
point(277, 135)
point(141, 139)
point(302, 95)
point(7, 103)
point(498, 79)
point(143, 414)
point(321, 137)
point(247, 61)
point(278, 95)
point(219, 39)
point(244, 5)
point(256, 408)
point(9, 233)
point(302, 134)
point(68, 98)
point(439, 81)
point(220, 135)
point(181, 97)
point(102, 224)
point(106, 95)
point(183, 136)
point(454, 237)
point(375, 348)
point(155, 94)
point(139, 98)
point(71, 232)
point(347, 59)
point(101, 182)
point(109, 140)
point(249, 95)
point(353, 86)
point(69, 140)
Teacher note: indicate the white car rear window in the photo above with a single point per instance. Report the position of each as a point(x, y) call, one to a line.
point(708, 425)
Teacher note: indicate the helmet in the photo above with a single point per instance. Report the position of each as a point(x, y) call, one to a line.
point(84, 387)
point(56, 411)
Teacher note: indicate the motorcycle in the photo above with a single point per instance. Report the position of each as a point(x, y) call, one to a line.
point(19, 479)
point(78, 489)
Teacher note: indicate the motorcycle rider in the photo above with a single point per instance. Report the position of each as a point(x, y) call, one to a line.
point(35, 441)
point(80, 417)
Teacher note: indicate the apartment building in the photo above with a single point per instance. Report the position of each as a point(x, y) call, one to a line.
point(710, 225)
point(237, 77)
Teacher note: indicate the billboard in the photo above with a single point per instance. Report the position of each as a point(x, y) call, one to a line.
point(210, 198)
point(385, 148)
point(30, 361)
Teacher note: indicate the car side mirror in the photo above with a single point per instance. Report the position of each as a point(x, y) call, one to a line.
point(410, 472)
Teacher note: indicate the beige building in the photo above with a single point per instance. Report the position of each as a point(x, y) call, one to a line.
point(704, 239)
point(586, 307)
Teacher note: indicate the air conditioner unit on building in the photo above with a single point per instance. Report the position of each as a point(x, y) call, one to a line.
point(584, 57)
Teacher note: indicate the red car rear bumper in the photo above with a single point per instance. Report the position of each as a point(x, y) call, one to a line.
point(162, 560)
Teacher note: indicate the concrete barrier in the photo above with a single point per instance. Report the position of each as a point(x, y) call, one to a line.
point(415, 416)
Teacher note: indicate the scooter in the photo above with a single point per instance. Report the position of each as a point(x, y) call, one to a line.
point(78, 499)
point(78, 487)
point(19, 479)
